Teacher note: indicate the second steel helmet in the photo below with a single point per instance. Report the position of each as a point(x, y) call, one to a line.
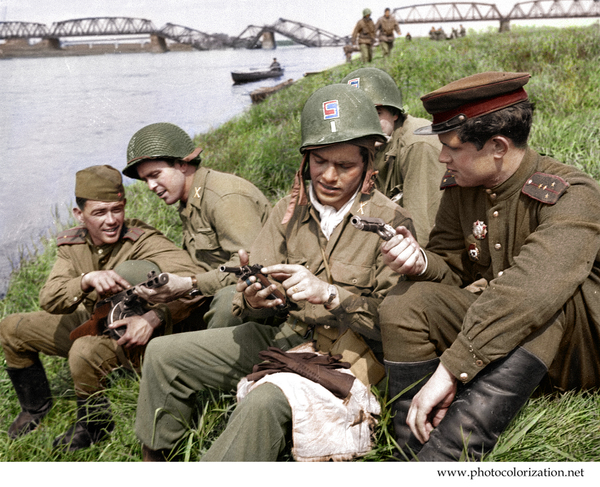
point(159, 141)
point(338, 113)
point(378, 85)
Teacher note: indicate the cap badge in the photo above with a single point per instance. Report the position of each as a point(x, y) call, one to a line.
point(479, 230)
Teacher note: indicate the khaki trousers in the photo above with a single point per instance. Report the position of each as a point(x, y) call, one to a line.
point(176, 367)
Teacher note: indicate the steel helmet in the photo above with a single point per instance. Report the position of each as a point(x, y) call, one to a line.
point(366, 12)
point(378, 85)
point(159, 141)
point(338, 113)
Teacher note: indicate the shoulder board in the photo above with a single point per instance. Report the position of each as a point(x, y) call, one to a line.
point(72, 236)
point(448, 181)
point(133, 233)
point(546, 188)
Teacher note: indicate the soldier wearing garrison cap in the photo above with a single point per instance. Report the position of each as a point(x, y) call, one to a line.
point(105, 254)
point(504, 298)
point(220, 212)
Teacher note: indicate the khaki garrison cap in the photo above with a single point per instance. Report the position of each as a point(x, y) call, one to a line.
point(471, 97)
point(100, 183)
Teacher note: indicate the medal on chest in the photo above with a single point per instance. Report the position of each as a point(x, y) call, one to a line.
point(479, 230)
point(473, 252)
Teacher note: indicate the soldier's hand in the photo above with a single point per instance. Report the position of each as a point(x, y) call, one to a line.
point(139, 329)
point(431, 403)
point(302, 285)
point(104, 282)
point(254, 294)
point(176, 287)
point(402, 253)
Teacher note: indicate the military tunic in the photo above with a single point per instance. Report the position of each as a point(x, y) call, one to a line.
point(66, 306)
point(534, 240)
point(410, 173)
point(223, 214)
point(364, 31)
point(386, 27)
point(221, 357)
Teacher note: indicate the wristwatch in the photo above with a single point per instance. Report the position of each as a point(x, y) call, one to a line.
point(194, 291)
point(332, 294)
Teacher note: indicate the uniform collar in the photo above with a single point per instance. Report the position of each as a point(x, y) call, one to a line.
point(514, 183)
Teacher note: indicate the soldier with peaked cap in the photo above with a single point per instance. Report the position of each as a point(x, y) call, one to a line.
point(407, 165)
point(220, 212)
point(504, 298)
point(105, 254)
point(334, 279)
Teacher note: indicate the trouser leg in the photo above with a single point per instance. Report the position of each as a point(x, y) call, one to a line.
point(419, 320)
point(257, 429)
point(219, 315)
point(385, 48)
point(177, 367)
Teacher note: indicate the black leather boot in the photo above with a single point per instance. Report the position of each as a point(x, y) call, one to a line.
point(33, 393)
point(94, 423)
point(483, 409)
point(411, 376)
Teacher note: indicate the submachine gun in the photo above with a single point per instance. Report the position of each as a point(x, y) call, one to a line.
point(245, 271)
point(375, 225)
point(116, 307)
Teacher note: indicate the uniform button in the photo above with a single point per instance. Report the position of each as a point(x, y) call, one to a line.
point(493, 196)
point(479, 363)
point(100, 251)
point(500, 273)
point(354, 280)
point(488, 191)
point(498, 246)
point(75, 299)
point(495, 214)
point(464, 376)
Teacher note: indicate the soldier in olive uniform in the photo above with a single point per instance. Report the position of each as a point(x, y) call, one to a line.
point(221, 213)
point(94, 259)
point(332, 273)
point(505, 296)
point(364, 31)
point(386, 25)
point(408, 169)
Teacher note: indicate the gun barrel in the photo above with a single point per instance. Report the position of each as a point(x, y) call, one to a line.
point(375, 225)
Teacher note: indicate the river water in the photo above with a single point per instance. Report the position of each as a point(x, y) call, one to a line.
point(61, 114)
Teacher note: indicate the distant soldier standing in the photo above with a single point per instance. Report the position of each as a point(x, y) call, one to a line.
point(386, 26)
point(364, 31)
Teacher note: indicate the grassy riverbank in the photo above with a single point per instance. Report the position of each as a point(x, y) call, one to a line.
point(262, 146)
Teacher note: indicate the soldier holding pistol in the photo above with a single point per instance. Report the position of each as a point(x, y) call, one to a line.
point(504, 298)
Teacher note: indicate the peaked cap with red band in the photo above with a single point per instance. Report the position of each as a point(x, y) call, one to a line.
point(471, 97)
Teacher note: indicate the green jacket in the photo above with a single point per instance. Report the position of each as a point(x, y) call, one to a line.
point(76, 256)
point(410, 172)
point(541, 255)
point(223, 214)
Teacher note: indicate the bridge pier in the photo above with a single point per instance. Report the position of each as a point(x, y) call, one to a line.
point(268, 40)
point(158, 43)
point(504, 25)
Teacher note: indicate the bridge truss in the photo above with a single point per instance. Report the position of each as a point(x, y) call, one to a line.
point(102, 26)
point(197, 39)
point(447, 12)
point(298, 32)
point(555, 9)
point(22, 30)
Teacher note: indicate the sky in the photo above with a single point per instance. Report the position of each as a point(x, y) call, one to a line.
point(222, 16)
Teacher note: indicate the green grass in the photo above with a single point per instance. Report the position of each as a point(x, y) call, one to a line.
point(262, 146)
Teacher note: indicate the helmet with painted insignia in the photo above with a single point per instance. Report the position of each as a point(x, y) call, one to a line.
point(378, 85)
point(338, 113)
point(160, 141)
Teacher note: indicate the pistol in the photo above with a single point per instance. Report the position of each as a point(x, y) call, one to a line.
point(245, 271)
point(375, 225)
